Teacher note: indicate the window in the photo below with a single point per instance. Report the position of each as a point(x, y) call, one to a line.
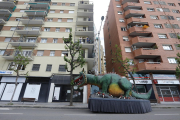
point(2, 52)
point(154, 17)
point(57, 29)
point(71, 11)
point(166, 10)
point(173, 35)
point(69, 20)
point(125, 38)
point(7, 39)
point(175, 11)
point(43, 40)
point(175, 26)
point(120, 12)
point(156, 2)
point(178, 18)
point(162, 3)
point(55, 40)
point(12, 66)
point(141, 60)
point(35, 28)
point(121, 20)
point(127, 49)
point(22, 10)
point(35, 67)
point(52, 11)
point(49, 67)
point(17, 19)
point(67, 30)
point(162, 36)
point(170, 17)
point(49, 19)
point(171, 60)
point(52, 53)
point(59, 19)
point(26, 3)
point(158, 25)
point(123, 29)
point(167, 25)
point(159, 9)
point(40, 53)
point(62, 68)
point(171, 4)
point(64, 53)
point(63, 4)
point(13, 28)
point(117, 0)
point(131, 62)
point(167, 47)
point(46, 29)
point(118, 6)
point(72, 4)
point(61, 11)
point(163, 17)
point(147, 2)
point(54, 3)
point(150, 9)
point(21, 67)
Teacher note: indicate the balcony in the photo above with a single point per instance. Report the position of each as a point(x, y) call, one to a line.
point(132, 1)
point(9, 5)
point(10, 54)
point(134, 21)
point(146, 53)
point(134, 13)
point(36, 12)
point(40, 1)
point(155, 67)
point(32, 20)
point(85, 31)
point(139, 31)
point(85, 13)
point(24, 42)
point(3, 20)
point(85, 21)
point(85, 4)
point(130, 5)
point(29, 31)
point(143, 42)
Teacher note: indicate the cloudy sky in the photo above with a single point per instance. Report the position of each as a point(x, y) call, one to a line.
point(100, 9)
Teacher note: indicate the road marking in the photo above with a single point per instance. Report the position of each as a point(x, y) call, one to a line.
point(166, 114)
point(4, 109)
point(82, 114)
point(12, 113)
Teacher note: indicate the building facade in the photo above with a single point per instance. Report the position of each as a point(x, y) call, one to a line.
point(147, 32)
point(39, 26)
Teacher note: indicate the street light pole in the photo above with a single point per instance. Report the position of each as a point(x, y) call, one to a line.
point(102, 18)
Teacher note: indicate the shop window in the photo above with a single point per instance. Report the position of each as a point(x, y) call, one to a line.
point(62, 68)
point(127, 49)
point(141, 88)
point(52, 53)
point(167, 47)
point(171, 60)
point(36, 67)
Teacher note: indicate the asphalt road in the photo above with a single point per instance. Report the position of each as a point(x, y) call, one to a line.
point(84, 114)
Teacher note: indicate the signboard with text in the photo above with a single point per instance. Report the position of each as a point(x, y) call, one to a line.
point(6, 72)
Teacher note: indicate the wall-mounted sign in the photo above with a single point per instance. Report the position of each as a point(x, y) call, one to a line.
point(141, 81)
point(6, 72)
point(168, 81)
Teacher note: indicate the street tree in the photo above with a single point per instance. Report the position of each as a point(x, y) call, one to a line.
point(19, 61)
point(125, 64)
point(178, 65)
point(74, 60)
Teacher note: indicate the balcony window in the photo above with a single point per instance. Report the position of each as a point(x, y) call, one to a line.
point(167, 47)
point(147, 2)
point(123, 29)
point(72, 4)
point(69, 20)
point(154, 17)
point(178, 18)
point(171, 60)
point(121, 20)
point(162, 36)
point(46, 29)
point(31, 40)
point(61, 11)
point(120, 12)
point(127, 49)
point(71, 11)
point(55, 40)
point(150, 9)
point(54, 3)
point(63, 4)
point(57, 29)
point(125, 38)
point(43, 40)
point(49, 67)
point(131, 62)
point(35, 28)
point(64, 53)
point(2, 52)
point(62, 68)
point(59, 19)
point(67, 30)
point(49, 19)
point(13, 28)
point(158, 25)
point(7, 39)
point(175, 11)
point(40, 53)
point(52, 11)
point(35, 67)
point(118, 6)
point(171, 4)
point(52, 53)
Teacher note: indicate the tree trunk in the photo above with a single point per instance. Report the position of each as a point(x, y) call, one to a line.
point(71, 98)
point(14, 89)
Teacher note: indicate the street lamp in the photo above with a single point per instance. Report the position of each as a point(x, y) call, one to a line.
point(102, 18)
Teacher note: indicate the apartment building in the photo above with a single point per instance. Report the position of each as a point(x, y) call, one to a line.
point(39, 26)
point(147, 32)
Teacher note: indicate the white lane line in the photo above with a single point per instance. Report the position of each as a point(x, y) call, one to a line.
point(4, 109)
point(82, 114)
point(166, 114)
point(12, 113)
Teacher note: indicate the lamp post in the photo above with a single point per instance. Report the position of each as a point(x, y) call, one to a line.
point(102, 18)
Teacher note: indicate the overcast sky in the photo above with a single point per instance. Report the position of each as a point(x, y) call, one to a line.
point(100, 9)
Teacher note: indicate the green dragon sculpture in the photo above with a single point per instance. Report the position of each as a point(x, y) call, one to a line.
point(113, 83)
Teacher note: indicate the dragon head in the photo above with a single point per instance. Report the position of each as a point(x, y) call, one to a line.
point(81, 79)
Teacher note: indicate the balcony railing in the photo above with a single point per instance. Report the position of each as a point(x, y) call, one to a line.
point(84, 29)
point(41, 1)
point(7, 8)
point(85, 2)
point(85, 41)
point(24, 40)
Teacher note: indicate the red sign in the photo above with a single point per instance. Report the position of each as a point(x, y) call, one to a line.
point(155, 81)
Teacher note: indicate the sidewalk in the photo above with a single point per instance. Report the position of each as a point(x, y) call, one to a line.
point(65, 105)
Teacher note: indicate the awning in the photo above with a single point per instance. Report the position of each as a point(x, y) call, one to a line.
point(13, 79)
point(61, 79)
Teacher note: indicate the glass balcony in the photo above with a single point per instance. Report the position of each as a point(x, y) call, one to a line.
point(29, 31)
point(32, 20)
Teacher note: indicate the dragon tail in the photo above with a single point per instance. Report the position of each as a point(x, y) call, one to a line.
point(142, 95)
